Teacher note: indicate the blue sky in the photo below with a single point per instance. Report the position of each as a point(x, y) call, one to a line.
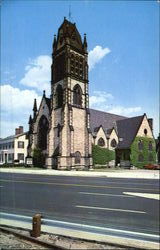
point(123, 40)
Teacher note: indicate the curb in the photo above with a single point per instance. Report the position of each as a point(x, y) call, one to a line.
point(32, 239)
point(133, 174)
point(55, 247)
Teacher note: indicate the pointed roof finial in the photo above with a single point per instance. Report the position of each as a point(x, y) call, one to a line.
point(30, 119)
point(54, 41)
point(44, 93)
point(35, 105)
point(85, 42)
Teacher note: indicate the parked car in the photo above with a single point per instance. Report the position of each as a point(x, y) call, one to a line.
point(152, 166)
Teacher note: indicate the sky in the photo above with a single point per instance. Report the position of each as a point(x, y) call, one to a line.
point(123, 53)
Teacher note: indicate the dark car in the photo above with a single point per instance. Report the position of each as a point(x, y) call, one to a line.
point(152, 166)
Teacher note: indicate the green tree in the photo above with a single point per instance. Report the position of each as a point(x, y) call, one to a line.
point(38, 158)
point(102, 155)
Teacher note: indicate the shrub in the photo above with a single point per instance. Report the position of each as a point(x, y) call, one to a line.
point(102, 156)
point(38, 158)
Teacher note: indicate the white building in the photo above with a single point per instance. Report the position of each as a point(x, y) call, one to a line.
point(14, 148)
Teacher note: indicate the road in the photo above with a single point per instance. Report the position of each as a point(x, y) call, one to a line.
point(95, 201)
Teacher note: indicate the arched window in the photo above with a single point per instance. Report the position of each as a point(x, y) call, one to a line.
point(59, 96)
point(145, 131)
point(101, 142)
point(77, 95)
point(43, 126)
point(113, 143)
point(150, 146)
point(140, 145)
point(77, 157)
point(140, 158)
point(150, 157)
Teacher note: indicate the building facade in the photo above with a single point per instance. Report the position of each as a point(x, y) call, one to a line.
point(64, 128)
point(13, 149)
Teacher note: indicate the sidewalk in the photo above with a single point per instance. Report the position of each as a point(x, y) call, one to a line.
point(138, 174)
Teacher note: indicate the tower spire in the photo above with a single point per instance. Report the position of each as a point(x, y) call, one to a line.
point(35, 105)
point(30, 120)
point(54, 41)
point(85, 43)
point(34, 109)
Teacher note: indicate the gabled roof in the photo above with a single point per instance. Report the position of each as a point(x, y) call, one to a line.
point(127, 130)
point(106, 120)
point(109, 131)
point(7, 138)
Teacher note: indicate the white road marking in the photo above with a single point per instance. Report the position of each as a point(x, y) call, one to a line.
point(1, 186)
point(113, 209)
point(144, 195)
point(121, 195)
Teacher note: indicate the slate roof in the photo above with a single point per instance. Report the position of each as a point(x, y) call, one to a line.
point(48, 102)
point(7, 138)
point(69, 30)
point(127, 130)
point(107, 120)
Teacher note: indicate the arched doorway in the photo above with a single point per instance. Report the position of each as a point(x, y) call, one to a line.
point(43, 126)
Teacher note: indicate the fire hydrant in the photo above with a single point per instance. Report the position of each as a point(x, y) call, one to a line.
point(36, 225)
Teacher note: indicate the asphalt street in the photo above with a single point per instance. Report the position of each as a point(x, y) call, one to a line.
point(95, 201)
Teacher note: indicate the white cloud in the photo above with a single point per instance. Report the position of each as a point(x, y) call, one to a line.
point(38, 73)
point(14, 99)
point(16, 106)
point(101, 100)
point(96, 55)
point(8, 127)
point(120, 110)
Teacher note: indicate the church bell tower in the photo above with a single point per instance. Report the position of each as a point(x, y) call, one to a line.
point(69, 138)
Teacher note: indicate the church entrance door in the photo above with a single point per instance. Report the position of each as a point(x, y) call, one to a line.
point(42, 133)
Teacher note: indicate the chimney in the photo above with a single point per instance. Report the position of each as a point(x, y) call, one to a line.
point(19, 130)
point(150, 121)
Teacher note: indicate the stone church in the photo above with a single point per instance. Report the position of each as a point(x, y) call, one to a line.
point(63, 126)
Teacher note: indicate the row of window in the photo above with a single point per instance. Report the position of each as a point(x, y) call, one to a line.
point(10, 145)
point(113, 144)
point(7, 145)
point(141, 145)
point(101, 143)
point(77, 96)
point(10, 157)
point(6, 157)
